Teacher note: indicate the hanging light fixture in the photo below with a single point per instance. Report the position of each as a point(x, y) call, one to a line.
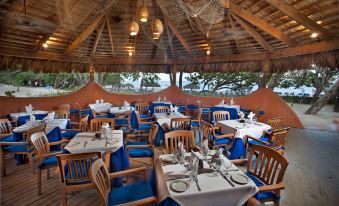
point(157, 27)
point(133, 28)
point(143, 14)
point(155, 36)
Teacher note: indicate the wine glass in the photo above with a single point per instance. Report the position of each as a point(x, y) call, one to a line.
point(227, 165)
point(205, 151)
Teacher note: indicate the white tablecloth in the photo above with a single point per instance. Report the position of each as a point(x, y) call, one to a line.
point(50, 124)
point(162, 102)
point(76, 145)
point(101, 107)
point(215, 190)
point(237, 107)
point(118, 110)
point(15, 116)
point(242, 129)
point(162, 118)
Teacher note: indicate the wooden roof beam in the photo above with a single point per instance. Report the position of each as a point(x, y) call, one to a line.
point(179, 36)
point(97, 39)
point(233, 28)
point(263, 25)
point(253, 33)
point(110, 34)
point(299, 17)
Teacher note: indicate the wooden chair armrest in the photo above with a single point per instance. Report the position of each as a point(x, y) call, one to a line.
point(239, 161)
point(128, 172)
point(216, 128)
point(59, 142)
point(15, 122)
point(13, 143)
point(256, 139)
point(223, 136)
point(65, 130)
point(139, 146)
point(276, 187)
point(5, 135)
point(148, 122)
point(49, 155)
point(129, 136)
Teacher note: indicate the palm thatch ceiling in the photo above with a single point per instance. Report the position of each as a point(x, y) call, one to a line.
point(240, 34)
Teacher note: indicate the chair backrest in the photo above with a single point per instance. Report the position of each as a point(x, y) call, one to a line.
point(275, 123)
point(84, 123)
point(161, 109)
point(173, 138)
point(5, 126)
point(142, 108)
point(40, 143)
point(96, 124)
point(221, 115)
point(269, 166)
point(40, 128)
point(100, 177)
point(180, 123)
point(66, 107)
point(278, 138)
point(207, 130)
point(153, 133)
point(61, 114)
point(75, 168)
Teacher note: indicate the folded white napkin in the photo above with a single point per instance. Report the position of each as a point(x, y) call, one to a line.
point(232, 102)
point(159, 99)
point(97, 101)
point(101, 101)
point(29, 108)
point(225, 162)
point(171, 108)
point(222, 102)
point(250, 116)
point(241, 115)
point(31, 118)
point(164, 99)
point(175, 109)
point(126, 104)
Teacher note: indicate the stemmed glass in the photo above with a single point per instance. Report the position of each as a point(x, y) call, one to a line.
point(227, 165)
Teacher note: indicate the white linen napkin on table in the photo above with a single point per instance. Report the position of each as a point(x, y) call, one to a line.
point(31, 118)
point(29, 108)
point(159, 99)
point(101, 101)
point(250, 116)
point(241, 115)
point(232, 101)
point(222, 102)
point(50, 115)
point(97, 101)
point(126, 104)
point(164, 99)
point(171, 108)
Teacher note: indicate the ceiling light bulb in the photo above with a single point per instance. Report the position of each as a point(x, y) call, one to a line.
point(195, 15)
point(314, 35)
point(208, 52)
point(130, 53)
point(45, 45)
point(319, 22)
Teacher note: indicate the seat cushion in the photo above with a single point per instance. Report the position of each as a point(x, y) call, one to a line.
point(205, 110)
point(69, 134)
point(222, 141)
point(17, 148)
point(132, 192)
point(195, 124)
point(49, 161)
point(261, 195)
point(137, 143)
point(9, 138)
point(144, 116)
point(140, 152)
point(121, 122)
point(145, 126)
point(254, 142)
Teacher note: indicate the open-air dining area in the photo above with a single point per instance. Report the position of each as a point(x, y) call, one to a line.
point(169, 102)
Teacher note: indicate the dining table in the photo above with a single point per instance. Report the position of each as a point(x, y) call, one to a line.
point(165, 118)
point(86, 142)
point(22, 117)
point(100, 107)
point(210, 188)
point(120, 110)
point(231, 106)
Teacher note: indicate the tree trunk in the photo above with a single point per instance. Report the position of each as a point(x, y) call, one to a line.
point(180, 79)
point(274, 81)
point(320, 103)
point(264, 80)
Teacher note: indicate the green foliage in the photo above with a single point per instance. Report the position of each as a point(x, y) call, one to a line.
point(9, 93)
point(149, 80)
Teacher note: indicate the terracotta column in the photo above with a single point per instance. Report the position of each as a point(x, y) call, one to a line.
point(91, 73)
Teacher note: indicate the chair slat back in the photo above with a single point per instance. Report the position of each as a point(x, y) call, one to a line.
point(173, 138)
point(96, 124)
point(61, 114)
point(207, 130)
point(180, 123)
point(100, 176)
point(75, 168)
point(278, 138)
point(275, 123)
point(84, 123)
point(40, 143)
point(5, 126)
point(221, 116)
point(142, 108)
point(161, 109)
point(153, 133)
point(66, 107)
point(269, 166)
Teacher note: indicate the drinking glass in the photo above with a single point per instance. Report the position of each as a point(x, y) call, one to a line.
point(205, 153)
point(227, 165)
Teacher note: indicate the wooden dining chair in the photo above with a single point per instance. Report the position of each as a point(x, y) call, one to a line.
point(61, 114)
point(123, 120)
point(266, 167)
point(75, 172)
point(6, 129)
point(161, 109)
point(66, 107)
point(22, 147)
point(138, 193)
point(275, 122)
point(180, 123)
point(143, 126)
point(173, 138)
point(141, 147)
point(143, 109)
point(196, 121)
point(220, 116)
point(214, 136)
point(95, 124)
point(75, 128)
point(275, 139)
point(45, 158)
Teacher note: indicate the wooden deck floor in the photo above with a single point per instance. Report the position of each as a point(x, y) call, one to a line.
point(312, 177)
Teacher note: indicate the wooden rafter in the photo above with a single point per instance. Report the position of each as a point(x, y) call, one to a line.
point(253, 33)
point(301, 18)
point(110, 34)
point(263, 25)
point(97, 39)
point(170, 42)
point(179, 36)
point(233, 28)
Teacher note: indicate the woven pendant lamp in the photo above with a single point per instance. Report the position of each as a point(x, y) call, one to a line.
point(133, 28)
point(143, 14)
point(157, 27)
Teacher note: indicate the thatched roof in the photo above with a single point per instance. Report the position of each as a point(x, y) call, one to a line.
point(242, 36)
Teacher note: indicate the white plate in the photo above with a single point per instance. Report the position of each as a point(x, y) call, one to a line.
point(168, 159)
point(179, 186)
point(240, 179)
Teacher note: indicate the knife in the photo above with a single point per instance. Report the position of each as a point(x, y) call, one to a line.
point(229, 181)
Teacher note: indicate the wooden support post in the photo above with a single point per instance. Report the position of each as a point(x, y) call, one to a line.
point(267, 74)
point(91, 73)
point(174, 74)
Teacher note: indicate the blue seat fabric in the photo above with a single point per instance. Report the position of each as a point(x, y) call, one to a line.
point(261, 195)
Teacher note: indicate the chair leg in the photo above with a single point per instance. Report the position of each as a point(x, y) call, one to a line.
point(2, 164)
point(64, 196)
point(39, 181)
point(48, 173)
point(31, 163)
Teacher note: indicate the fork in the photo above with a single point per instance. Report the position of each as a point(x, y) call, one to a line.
point(85, 144)
point(196, 182)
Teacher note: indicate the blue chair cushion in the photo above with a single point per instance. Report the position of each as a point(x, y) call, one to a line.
point(261, 195)
point(85, 173)
point(137, 143)
point(254, 142)
point(121, 122)
point(9, 138)
point(144, 116)
point(17, 148)
point(69, 134)
point(222, 141)
point(140, 152)
point(145, 126)
point(205, 110)
point(195, 124)
point(132, 192)
point(49, 161)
